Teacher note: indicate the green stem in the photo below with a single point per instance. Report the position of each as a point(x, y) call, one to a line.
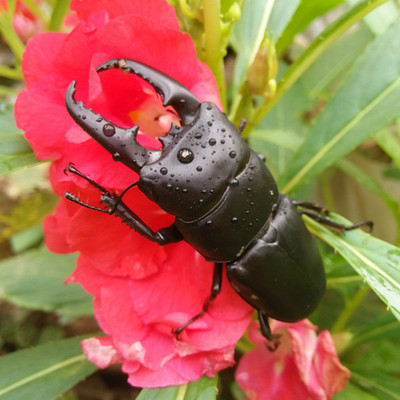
point(349, 310)
point(307, 58)
point(11, 73)
point(9, 35)
point(60, 9)
point(213, 57)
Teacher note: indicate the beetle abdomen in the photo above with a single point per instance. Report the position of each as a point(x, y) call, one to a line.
point(224, 233)
point(290, 275)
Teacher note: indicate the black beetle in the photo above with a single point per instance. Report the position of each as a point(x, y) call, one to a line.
point(225, 200)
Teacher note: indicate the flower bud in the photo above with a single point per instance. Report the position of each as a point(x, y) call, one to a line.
point(261, 74)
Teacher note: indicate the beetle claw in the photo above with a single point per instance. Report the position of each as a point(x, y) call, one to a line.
point(173, 93)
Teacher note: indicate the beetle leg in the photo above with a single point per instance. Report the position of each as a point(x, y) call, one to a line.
point(163, 236)
point(336, 225)
point(311, 206)
point(115, 206)
point(215, 290)
point(266, 332)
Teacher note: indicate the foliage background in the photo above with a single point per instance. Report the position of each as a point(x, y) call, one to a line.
point(328, 124)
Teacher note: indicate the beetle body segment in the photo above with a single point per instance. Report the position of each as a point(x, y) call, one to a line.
point(290, 275)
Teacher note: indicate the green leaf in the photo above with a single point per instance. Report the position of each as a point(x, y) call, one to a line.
point(373, 186)
point(321, 43)
point(203, 389)
point(383, 327)
point(43, 372)
point(384, 386)
point(383, 355)
point(332, 66)
point(307, 11)
point(375, 260)
point(248, 34)
point(35, 280)
point(15, 151)
point(390, 144)
point(353, 392)
point(366, 102)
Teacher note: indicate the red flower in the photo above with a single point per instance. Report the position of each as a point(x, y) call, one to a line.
point(141, 291)
point(305, 366)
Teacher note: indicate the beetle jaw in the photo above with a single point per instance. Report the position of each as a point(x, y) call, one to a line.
point(120, 143)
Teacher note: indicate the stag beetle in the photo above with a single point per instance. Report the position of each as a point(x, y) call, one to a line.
point(225, 201)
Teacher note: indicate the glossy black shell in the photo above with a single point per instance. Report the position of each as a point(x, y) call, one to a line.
point(219, 190)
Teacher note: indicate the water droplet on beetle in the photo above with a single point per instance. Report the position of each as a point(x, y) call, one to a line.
point(116, 156)
point(108, 130)
point(232, 154)
point(209, 222)
point(234, 219)
point(198, 135)
point(209, 123)
point(185, 155)
point(169, 186)
point(199, 168)
point(164, 171)
point(212, 142)
point(83, 116)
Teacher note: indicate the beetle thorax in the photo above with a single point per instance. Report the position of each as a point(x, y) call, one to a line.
point(197, 163)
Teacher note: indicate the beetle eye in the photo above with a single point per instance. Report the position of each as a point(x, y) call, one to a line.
point(185, 156)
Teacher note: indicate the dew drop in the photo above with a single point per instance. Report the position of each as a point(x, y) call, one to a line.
point(198, 135)
point(116, 156)
point(164, 171)
point(199, 168)
point(212, 142)
point(108, 130)
point(232, 154)
point(234, 220)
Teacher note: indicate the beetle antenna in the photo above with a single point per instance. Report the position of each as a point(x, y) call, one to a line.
point(119, 198)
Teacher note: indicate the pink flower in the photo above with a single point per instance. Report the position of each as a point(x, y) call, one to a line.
point(25, 23)
point(305, 366)
point(141, 291)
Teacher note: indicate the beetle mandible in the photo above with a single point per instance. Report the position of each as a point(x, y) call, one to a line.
point(225, 201)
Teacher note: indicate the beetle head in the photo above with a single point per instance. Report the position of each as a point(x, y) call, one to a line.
point(197, 161)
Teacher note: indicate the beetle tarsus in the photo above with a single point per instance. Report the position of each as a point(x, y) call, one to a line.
point(266, 332)
point(70, 168)
point(75, 199)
